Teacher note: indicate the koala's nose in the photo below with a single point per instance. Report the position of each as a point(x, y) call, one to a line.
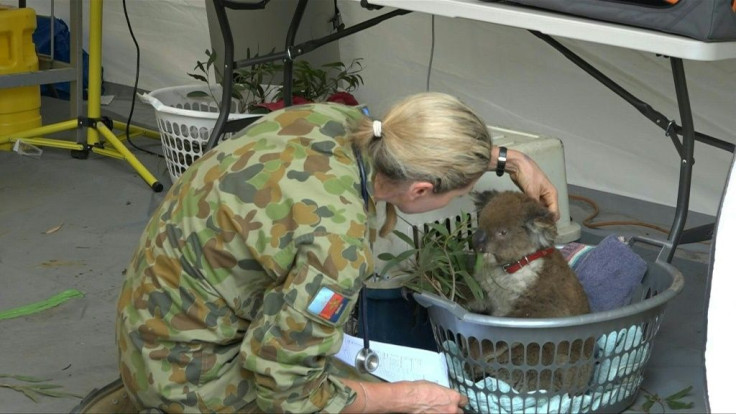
point(479, 240)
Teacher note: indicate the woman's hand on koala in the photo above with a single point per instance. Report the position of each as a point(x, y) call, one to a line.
point(527, 175)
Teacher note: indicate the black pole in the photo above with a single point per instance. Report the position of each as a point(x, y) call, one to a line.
point(288, 55)
point(227, 80)
point(687, 160)
point(289, 62)
point(685, 148)
point(670, 127)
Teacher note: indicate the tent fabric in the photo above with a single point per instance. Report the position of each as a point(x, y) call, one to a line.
point(510, 77)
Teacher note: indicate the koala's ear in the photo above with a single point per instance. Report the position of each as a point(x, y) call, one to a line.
point(541, 223)
point(481, 198)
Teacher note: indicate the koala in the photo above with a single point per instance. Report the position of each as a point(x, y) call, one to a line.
point(524, 276)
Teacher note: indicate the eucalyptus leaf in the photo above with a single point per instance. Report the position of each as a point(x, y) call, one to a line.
point(314, 84)
point(679, 394)
point(443, 263)
point(30, 394)
point(647, 406)
point(395, 261)
point(408, 240)
point(46, 386)
point(679, 405)
point(51, 393)
point(440, 228)
point(26, 378)
point(35, 387)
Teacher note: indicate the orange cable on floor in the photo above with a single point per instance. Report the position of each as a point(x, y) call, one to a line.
point(587, 222)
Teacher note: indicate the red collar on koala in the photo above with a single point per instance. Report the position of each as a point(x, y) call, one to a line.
point(516, 266)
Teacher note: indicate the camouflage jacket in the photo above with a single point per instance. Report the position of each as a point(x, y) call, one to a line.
point(246, 273)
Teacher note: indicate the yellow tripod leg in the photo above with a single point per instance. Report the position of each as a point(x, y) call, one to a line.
point(94, 91)
point(32, 136)
point(93, 123)
point(127, 156)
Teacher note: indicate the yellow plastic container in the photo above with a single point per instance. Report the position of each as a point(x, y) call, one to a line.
point(20, 108)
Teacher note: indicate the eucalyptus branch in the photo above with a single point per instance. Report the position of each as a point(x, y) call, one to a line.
point(442, 262)
point(36, 387)
point(672, 402)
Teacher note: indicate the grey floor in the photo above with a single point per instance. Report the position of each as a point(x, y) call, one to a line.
point(67, 223)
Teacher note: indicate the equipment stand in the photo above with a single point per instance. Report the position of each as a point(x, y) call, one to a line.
point(95, 124)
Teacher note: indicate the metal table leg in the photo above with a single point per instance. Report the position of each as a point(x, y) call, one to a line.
point(685, 148)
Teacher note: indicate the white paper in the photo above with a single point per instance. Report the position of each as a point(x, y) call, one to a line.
point(106, 99)
point(398, 363)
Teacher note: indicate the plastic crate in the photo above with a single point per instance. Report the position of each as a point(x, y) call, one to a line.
point(547, 152)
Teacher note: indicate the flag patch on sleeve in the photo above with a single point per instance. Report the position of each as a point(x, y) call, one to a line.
point(328, 305)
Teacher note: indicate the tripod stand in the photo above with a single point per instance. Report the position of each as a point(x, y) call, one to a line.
point(94, 123)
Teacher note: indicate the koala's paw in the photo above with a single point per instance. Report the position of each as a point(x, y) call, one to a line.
point(479, 306)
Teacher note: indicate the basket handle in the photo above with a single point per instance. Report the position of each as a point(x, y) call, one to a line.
point(158, 105)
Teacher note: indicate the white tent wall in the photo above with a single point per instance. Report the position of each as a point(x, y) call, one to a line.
point(517, 81)
point(262, 31)
point(510, 77)
point(172, 35)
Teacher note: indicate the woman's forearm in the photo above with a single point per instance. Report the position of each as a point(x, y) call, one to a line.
point(404, 397)
point(371, 397)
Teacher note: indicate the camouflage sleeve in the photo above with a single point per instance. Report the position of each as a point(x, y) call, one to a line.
point(301, 325)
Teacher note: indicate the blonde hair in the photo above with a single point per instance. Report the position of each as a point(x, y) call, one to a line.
point(429, 137)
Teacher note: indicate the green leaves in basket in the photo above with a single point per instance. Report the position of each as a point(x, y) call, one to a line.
point(202, 73)
point(316, 84)
point(671, 402)
point(251, 85)
point(260, 83)
point(440, 262)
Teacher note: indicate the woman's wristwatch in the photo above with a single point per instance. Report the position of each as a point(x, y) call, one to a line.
point(501, 163)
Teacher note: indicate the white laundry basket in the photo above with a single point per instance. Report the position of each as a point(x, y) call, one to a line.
point(185, 123)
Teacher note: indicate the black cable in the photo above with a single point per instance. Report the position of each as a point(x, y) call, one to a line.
point(135, 86)
point(364, 318)
point(431, 55)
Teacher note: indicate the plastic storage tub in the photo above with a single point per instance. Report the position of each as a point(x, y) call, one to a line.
point(547, 152)
point(20, 108)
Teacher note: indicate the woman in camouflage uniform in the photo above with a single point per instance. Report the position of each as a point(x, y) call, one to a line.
point(236, 297)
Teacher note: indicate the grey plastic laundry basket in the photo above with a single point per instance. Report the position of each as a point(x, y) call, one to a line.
point(620, 340)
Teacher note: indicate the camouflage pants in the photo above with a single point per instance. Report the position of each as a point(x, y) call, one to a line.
point(113, 398)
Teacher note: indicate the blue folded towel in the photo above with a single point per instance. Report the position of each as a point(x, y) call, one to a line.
point(609, 272)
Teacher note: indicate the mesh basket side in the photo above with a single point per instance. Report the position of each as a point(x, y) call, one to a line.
point(183, 141)
point(592, 363)
point(185, 124)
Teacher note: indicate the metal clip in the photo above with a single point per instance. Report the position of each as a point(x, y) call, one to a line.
point(670, 128)
point(337, 23)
